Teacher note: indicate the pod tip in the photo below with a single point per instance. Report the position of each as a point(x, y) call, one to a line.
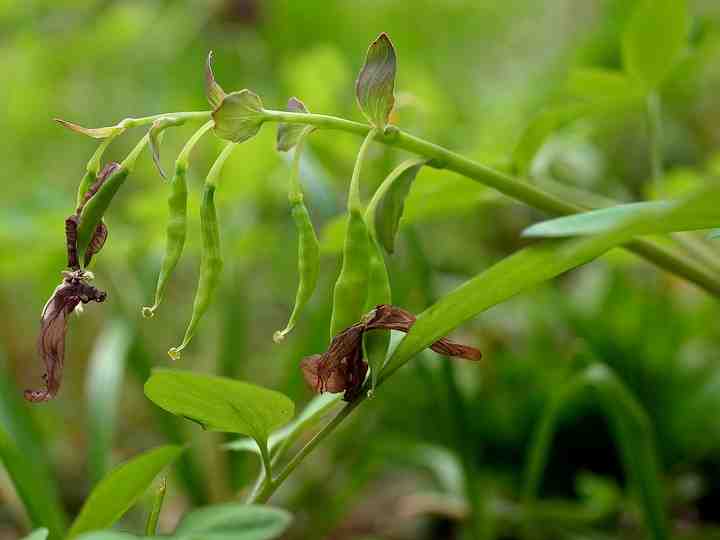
point(148, 312)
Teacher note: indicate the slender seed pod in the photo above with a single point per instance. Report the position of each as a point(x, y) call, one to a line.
point(210, 261)
point(376, 344)
point(92, 170)
point(351, 287)
point(176, 230)
point(308, 246)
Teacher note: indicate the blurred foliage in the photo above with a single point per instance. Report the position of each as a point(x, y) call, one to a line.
point(471, 75)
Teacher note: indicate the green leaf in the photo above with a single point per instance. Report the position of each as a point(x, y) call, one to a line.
point(239, 116)
point(386, 207)
point(316, 409)
point(654, 40)
point(539, 129)
point(289, 134)
point(592, 222)
point(41, 506)
point(375, 85)
point(633, 434)
point(215, 94)
point(603, 88)
point(37, 534)
point(112, 535)
point(233, 521)
point(121, 488)
point(538, 263)
point(95, 133)
point(219, 403)
point(105, 376)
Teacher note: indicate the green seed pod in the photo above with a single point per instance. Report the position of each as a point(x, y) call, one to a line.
point(379, 292)
point(211, 261)
point(176, 230)
point(351, 287)
point(308, 246)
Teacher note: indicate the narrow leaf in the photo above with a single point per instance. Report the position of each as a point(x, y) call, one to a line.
point(654, 39)
point(37, 534)
point(215, 94)
point(386, 207)
point(219, 403)
point(239, 116)
point(536, 264)
point(592, 222)
point(95, 133)
point(289, 134)
point(121, 489)
point(375, 85)
point(632, 430)
point(233, 521)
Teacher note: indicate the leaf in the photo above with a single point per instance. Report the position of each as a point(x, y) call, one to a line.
point(592, 222)
point(239, 116)
point(215, 94)
point(112, 535)
point(603, 88)
point(103, 385)
point(632, 430)
point(289, 134)
point(536, 264)
point(376, 83)
point(219, 403)
point(233, 521)
point(121, 488)
point(386, 207)
point(95, 133)
point(653, 40)
point(539, 129)
point(310, 416)
point(42, 506)
point(37, 534)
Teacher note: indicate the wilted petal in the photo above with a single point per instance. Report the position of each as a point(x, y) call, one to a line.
point(96, 242)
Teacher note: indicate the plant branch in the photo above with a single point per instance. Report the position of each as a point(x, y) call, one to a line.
point(665, 257)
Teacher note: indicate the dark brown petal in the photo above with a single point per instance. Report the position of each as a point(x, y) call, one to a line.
point(103, 175)
point(450, 348)
point(387, 317)
point(96, 242)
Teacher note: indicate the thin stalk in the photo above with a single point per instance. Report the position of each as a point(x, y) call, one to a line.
point(154, 516)
point(214, 174)
point(128, 123)
point(295, 193)
point(516, 188)
point(654, 122)
point(354, 201)
point(183, 158)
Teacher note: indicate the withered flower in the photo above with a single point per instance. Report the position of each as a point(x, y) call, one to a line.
point(73, 291)
point(342, 367)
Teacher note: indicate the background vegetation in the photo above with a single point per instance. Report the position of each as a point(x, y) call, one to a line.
point(472, 75)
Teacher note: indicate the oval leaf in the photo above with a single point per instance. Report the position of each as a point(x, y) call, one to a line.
point(654, 39)
point(233, 521)
point(289, 134)
point(375, 85)
point(121, 488)
point(386, 207)
point(219, 403)
point(215, 94)
point(239, 116)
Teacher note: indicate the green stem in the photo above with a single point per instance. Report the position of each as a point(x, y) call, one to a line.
point(667, 258)
point(295, 194)
point(154, 516)
point(354, 202)
point(654, 120)
point(214, 174)
point(183, 158)
point(128, 123)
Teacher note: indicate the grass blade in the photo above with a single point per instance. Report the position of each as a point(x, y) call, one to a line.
point(633, 433)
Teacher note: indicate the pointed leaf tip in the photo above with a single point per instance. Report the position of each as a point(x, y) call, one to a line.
point(214, 92)
point(95, 133)
point(375, 85)
point(289, 134)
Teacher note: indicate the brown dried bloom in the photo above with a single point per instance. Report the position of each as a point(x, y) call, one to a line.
point(342, 367)
point(73, 291)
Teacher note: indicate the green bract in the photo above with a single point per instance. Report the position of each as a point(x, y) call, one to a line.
point(239, 116)
point(219, 403)
point(288, 135)
point(376, 83)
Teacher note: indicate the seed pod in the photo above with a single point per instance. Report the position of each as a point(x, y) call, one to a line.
point(308, 246)
point(211, 261)
point(176, 229)
point(351, 287)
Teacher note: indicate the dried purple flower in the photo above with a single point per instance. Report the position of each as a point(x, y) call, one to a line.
point(73, 291)
point(342, 367)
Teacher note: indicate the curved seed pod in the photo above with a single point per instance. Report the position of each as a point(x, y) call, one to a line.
point(176, 230)
point(376, 344)
point(211, 260)
point(350, 292)
point(308, 246)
